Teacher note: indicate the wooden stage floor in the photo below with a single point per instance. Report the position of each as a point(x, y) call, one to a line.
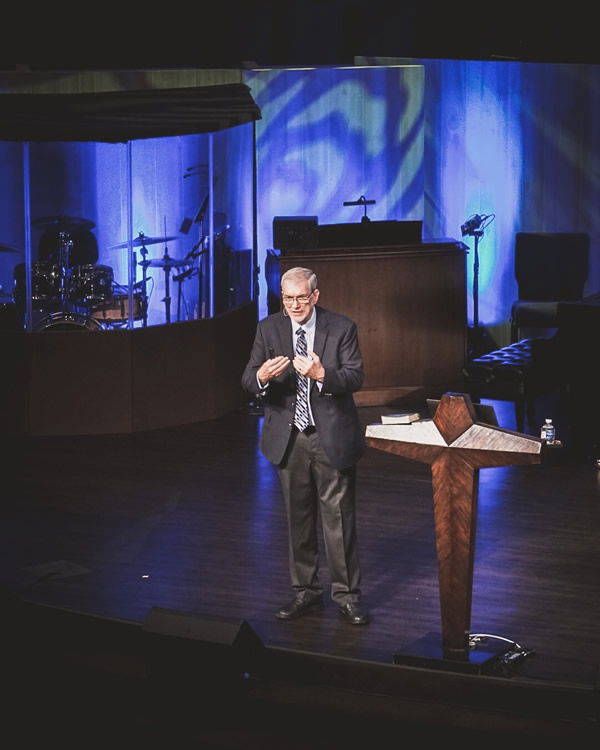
point(187, 523)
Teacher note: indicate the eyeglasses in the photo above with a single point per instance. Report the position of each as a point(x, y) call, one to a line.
point(301, 299)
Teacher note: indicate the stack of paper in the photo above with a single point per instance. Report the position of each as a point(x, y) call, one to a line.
point(400, 417)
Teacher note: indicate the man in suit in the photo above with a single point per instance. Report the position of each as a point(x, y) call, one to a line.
point(315, 445)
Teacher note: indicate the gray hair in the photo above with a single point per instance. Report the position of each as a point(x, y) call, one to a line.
point(297, 273)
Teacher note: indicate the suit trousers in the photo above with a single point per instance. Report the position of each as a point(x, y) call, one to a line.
point(313, 488)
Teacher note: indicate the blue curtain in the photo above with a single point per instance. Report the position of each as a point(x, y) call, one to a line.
point(438, 140)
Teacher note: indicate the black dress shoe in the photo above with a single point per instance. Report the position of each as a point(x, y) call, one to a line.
point(354, 614)
point(300, 605)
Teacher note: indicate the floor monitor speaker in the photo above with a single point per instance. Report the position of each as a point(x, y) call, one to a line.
point(212, 653)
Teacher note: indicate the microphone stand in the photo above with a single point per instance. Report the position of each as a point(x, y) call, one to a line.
point(188, 273)
point(199, 219)
point(180, 278)
point(196, 252)
point(477, 235)
point(144, 264)
point(473, 227)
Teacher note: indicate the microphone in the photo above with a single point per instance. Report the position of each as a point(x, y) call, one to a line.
point(183, 275)
point(473, 224)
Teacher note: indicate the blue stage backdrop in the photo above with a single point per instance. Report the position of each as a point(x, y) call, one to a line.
point(437, 140)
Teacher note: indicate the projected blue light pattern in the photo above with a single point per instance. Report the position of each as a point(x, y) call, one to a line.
point(331, 135)
point(481, 171)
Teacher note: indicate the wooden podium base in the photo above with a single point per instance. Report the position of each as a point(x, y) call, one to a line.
point(486, 658)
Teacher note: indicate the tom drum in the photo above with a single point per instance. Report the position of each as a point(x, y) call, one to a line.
point(45, 285)
point(90, 284)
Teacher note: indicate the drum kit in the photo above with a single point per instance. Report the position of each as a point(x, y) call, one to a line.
point(86, 297)
point(166, 262)
point(63, 296)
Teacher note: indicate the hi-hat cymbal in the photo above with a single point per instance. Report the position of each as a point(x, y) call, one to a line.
point(9, 249)
point(142, 240)
point(165, 263)
point(62, 223)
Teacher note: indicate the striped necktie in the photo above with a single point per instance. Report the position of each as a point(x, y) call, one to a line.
point(301, 418)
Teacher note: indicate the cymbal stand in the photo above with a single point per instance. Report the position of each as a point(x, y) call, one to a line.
point(65, 243)
point(167, 298)
point(144, 264)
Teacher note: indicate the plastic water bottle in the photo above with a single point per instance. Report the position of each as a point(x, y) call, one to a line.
point(548, 431)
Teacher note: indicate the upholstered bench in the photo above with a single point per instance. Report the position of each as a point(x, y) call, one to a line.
point(519, 372)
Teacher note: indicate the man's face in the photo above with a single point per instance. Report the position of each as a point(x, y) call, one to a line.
point(298, 300)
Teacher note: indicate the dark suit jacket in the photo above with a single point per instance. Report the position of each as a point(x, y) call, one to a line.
point(333, 407)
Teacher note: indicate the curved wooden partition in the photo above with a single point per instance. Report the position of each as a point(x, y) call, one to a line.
point(82, 382)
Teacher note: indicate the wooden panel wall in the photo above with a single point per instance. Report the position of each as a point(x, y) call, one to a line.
point(410, 307)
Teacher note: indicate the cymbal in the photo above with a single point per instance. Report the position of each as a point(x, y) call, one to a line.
point(62, 223)
point(142, 240)
point(9, 249)
point(165, 263)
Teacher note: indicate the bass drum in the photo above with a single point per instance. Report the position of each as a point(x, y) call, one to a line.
point(68, 321)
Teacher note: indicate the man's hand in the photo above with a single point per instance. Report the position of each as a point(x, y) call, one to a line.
point(310, 366)
point(272, 368)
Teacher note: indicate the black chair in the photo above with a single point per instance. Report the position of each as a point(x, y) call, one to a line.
point(550, 267)
point(519, 372)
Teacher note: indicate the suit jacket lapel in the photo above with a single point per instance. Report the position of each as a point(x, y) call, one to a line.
point(284, 329)
point(321, 332)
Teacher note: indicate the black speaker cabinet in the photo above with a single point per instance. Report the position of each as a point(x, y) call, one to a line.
point(551, 265)
point(212, 653)
point(295, 232)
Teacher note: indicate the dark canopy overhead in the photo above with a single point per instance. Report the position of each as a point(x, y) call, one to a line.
point(120, 116)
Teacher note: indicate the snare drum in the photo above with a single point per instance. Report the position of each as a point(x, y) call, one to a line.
point(67, 321)
point(45, 285)
point(117, 311)
point(90, 284)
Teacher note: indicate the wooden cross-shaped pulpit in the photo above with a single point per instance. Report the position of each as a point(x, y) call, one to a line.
point(456, 446)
